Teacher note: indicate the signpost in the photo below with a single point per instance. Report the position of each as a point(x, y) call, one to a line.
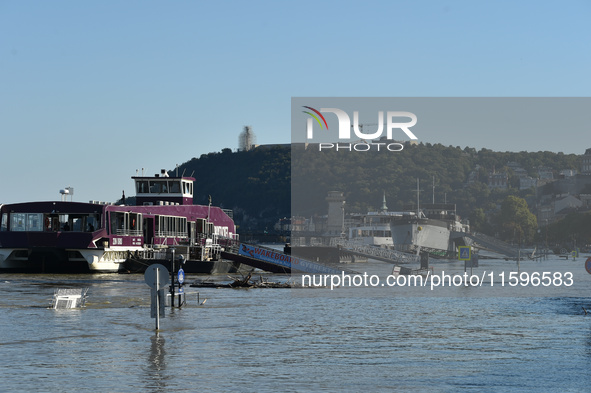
point(465, 254)
point(588, 265)
point(157, 277)
point(177, 278)
point(181, 276)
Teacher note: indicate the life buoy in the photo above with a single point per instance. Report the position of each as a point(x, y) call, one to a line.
point(588, 265)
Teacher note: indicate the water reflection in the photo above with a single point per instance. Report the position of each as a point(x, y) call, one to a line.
point(157, 364)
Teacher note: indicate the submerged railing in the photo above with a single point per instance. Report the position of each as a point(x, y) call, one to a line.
point(374, 251)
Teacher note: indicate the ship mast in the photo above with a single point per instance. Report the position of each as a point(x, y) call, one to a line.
point(433, 189)
point(418, 193)
point(384, 206)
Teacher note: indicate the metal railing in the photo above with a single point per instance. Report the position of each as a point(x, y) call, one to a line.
point(492, 244)
point(374, 251)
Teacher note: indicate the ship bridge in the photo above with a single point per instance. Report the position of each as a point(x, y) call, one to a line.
point(161, 189)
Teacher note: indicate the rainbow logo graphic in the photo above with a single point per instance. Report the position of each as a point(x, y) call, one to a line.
point(316, 117)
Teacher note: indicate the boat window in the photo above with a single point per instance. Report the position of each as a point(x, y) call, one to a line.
point(18, 222)
point(4, 226)
point(117, 222)
point(21, 222)
point(163, 227)
point(34, 222)
point(92, 223)
point(78, 224)
point(175, 186)
point(64, 222)
point(158, 186)
point(135, 224)
point(126, 223)
point(201, 225)
point(187, 188)
point(170, 226)
point(54, 223)
point(155, 187)
point(142, 187)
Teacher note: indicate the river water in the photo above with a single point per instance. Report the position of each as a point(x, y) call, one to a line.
point(463, 339)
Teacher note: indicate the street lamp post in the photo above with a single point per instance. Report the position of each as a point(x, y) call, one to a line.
point(343, 223)
point(546, 239)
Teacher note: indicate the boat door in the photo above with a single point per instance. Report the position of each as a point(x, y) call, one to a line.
point(149, 230)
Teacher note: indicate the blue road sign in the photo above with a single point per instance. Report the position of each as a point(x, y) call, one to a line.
point(464, 253)
point(181, 276)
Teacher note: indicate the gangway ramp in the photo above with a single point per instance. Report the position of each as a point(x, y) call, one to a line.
point(375, 252)
point(275, 261)
point(489, 243)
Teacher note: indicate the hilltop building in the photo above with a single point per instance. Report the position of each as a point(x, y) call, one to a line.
point(498, 180)
point(336, 213)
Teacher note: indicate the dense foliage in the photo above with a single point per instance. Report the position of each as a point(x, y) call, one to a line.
point(364, 176)
point(573, 231)
point(256, 184)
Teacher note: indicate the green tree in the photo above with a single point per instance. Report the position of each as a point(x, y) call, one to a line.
point(478, 220)
point(575, 227)
point(515, 222)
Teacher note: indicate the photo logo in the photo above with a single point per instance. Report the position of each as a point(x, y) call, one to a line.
point(392, 123)
point(310, 120)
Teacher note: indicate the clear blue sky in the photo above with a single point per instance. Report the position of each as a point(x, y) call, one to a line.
point(90, 91)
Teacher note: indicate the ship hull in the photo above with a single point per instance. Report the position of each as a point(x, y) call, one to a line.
point(425, 233)
point(53, 260)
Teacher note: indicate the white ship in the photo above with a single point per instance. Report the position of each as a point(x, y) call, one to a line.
point(373, 228)
point(428, 228)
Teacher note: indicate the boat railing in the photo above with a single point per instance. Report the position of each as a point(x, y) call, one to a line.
point(229, 213)
point(129, 232)
point(202, 239)
point(176, 234)
point(230, 244)
point(163, 240)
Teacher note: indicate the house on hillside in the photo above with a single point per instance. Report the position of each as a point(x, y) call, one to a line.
point(545, 173)
point(586, 163)
point(527, 182)
point(566, 202)
point(498, 180)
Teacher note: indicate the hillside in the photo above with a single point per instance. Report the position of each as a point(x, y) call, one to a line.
point(254, 184)
point(365, 177)
point(259, 187)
